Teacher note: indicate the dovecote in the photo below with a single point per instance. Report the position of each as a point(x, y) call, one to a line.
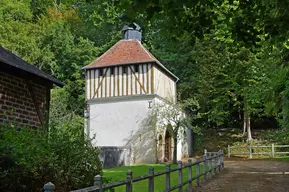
point(128, 68)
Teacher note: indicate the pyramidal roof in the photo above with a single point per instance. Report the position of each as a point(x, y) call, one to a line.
point(126, 52)
point(123, 52)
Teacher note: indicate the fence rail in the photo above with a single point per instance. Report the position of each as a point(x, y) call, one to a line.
point(212, 162)
point(251, 152)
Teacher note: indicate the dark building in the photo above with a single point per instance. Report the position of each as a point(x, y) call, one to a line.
point(24, 92)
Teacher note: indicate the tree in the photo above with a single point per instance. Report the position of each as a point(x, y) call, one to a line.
point(169, 115)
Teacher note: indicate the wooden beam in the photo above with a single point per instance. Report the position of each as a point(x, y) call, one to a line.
point(99, 84)
point(32, 95)
point(147, 67)
point(137, 80)
point(127, 81)
point(152, 79)
point(118, 89)
point(90, 82)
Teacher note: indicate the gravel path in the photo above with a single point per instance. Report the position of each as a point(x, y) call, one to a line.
point(250, 176)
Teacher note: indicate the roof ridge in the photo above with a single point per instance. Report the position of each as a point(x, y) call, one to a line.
point(147, 52)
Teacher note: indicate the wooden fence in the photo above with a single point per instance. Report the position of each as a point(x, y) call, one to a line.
point(212, 162)
point(251, 152)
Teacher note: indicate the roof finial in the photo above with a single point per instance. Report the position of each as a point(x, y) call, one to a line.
point(132, 31)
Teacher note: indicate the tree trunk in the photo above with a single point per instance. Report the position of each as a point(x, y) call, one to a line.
point(245, 122)
point(249, 138)
point(156, 151)
point(175, 151)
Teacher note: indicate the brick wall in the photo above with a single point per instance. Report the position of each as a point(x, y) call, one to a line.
point(16, 103)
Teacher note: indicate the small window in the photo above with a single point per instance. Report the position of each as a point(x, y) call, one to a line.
point(136, 68)
point(124, 70)
point(100, 72)
point(112, 71)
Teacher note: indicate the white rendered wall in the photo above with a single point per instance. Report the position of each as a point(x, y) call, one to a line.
point(120, 123)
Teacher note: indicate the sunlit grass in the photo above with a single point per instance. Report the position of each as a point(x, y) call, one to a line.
point(119, 173)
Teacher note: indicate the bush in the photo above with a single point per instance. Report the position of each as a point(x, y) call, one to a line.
point(279, 136)
point(30, 158)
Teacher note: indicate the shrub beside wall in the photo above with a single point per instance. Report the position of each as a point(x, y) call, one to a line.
point(29, 159)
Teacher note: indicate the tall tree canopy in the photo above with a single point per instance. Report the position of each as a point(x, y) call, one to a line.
point(231, 55)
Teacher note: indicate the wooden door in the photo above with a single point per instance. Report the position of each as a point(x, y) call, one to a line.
point(168, 146)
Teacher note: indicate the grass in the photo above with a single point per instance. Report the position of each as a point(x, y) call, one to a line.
point(282, 158)
point(216, 139)
point(119, 173)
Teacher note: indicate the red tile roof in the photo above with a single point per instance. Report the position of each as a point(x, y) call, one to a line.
point(123, 52)
point(126, 52)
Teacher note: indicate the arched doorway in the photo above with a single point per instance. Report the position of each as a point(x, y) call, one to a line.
point(168, 146)
point(160, 148)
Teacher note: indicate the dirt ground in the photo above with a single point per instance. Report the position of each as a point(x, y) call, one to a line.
point(249, 176)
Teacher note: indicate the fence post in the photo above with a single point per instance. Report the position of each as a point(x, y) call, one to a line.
point(273, 150)
point(205, 167)
point(210, 165)
point(129, 178)
point(180, 176)
point(198, 170)
point(229, 155)
point(250, 148)
point(205, 151)
point(49, 187)
point(190, 176)
point(151, 179)
point(223, 159)
point(98, 182)
point(219, 160)
point(215, 163)
point(168, 179)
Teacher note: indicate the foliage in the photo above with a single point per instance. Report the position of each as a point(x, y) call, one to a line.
point(280, 137)
point(30, 158)
point(231, 55)
point(170, 115)
point(179, 115)
point(59, 38)
point(236, 66)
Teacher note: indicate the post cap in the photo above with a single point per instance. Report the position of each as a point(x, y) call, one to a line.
point(168, 166)
point(97, 178)
point(129, 173)
point(49, 186)
point(151, 169)
point(180, 164)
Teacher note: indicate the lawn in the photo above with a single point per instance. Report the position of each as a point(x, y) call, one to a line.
point(119, 173)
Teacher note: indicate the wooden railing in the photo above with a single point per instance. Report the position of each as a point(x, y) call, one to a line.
point(251, 152)
point(211, 162)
